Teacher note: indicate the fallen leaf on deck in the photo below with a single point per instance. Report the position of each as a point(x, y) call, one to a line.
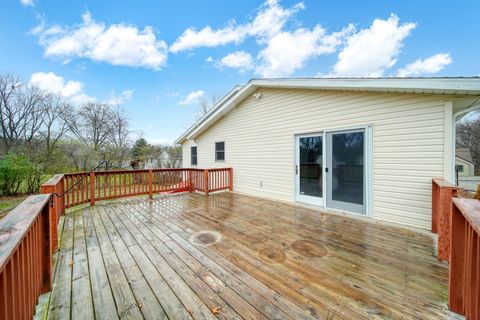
point(216, 310)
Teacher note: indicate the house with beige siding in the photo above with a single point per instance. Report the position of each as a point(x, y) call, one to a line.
point(365, 147)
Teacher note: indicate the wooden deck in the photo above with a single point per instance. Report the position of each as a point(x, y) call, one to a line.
point(230, 256)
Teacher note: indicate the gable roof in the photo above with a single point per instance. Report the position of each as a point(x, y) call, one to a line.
point(468, 86)
point(465, 154)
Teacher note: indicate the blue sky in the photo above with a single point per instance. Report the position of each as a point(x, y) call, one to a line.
point(157, 58)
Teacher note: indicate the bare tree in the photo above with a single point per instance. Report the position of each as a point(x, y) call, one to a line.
point(120, 142)
point(54, 124)
point(21, 108)
point(91, 124)
point(205, 104)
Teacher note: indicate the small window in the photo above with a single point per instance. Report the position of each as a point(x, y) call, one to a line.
point(459, 168)
point(219, 151)
point(193, 155)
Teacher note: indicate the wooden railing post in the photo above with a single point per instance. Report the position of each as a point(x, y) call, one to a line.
point(61, 200)
point(442, 194)
point(190, 186)
point(205, 174)
point(92, 189)
point(231, 179)
point(150, 183)
point(56, 207)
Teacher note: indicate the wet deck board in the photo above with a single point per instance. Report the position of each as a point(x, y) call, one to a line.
point(230, 256)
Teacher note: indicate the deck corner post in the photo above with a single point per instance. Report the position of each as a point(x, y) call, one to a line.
point(92, 189)
point(231, 179)
point(205, 173)
point(52, 216)
point(150, 184)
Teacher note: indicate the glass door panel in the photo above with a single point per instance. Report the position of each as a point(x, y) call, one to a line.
point(346, 170)
point(309, 169)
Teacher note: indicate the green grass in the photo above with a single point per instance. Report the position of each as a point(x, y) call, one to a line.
point(8, 203)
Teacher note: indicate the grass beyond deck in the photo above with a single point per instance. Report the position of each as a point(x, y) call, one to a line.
point(230, 256)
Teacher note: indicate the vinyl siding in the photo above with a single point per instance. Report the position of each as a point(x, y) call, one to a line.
point(408, 144)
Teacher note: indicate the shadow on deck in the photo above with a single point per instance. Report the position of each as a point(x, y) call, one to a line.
point(231, 256)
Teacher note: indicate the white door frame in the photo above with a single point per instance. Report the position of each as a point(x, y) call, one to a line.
point(368, 165)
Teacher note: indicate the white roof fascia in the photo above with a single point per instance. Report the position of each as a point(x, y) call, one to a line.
point(445, 86)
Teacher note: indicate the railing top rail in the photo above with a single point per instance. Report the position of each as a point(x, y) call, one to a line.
point(146, 170)
point(15, 225)
point(441, 182)
point(470, 209)
point(53, 180)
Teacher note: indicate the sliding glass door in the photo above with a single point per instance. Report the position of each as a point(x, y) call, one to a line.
point(346, 171)
point(331, 170)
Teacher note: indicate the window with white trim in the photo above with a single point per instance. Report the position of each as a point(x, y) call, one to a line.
point(193, 156)
point(220, 151)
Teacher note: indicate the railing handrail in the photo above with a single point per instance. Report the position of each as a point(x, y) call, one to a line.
point(16, 224)
point(145, 170)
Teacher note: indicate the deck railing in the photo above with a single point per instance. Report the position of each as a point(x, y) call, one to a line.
point(104, 185)
point(457, 222)
point(25, 257)
point(464, 272)
point(28, 234)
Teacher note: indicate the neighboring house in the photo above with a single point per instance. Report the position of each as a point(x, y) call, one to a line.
point(361, 146)
point(464, 164)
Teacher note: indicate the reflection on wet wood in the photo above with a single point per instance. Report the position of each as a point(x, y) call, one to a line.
point(230, 256)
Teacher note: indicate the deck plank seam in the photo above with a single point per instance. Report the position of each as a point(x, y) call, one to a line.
point(182, 276)
point(144, 209)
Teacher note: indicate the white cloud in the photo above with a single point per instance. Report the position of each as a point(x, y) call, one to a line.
point(239, 60)
point(429, 65)
point(270, 19)
point(28, 3)
point(122, 98)
point(71, 90)
point(192, 97)
point(369, 52)
point(287, 52)
point(117, 44)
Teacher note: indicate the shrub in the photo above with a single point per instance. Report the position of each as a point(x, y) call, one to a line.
point(18, 173)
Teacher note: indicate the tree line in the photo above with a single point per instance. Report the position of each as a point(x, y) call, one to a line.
point(42, 133)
